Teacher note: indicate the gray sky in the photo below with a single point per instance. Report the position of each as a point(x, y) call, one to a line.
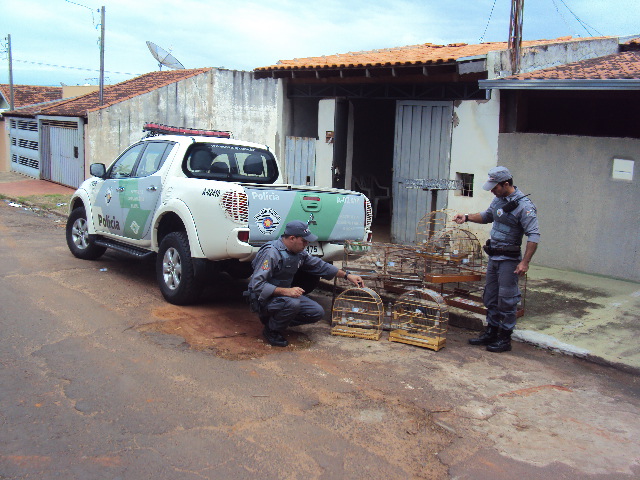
point(245, 34)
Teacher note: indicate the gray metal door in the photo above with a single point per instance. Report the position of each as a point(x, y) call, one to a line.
point(300, 160)
point(422, 151)
point(62, 157)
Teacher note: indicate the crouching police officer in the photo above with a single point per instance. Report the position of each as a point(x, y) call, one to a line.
point(278, 304)
point(513, 215)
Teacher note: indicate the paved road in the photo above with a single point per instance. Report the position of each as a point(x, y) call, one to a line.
point(101, 379)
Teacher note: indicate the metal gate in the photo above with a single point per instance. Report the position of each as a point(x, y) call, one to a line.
point(422, 151)
point(62, 152)
point(300, 160)
point(24, 147)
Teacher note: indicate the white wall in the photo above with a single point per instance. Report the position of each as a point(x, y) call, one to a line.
point(218, 99)
point(324, 150)
point(474, 149)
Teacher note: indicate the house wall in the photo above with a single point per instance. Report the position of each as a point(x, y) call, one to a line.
point(551, 55)
point(589, 222)
point(474, 149)
point(218, 99)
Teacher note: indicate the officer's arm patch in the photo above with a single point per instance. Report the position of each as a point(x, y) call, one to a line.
point(265, 264)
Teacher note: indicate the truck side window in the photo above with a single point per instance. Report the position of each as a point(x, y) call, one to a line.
point(152, 158)
point(123, 167)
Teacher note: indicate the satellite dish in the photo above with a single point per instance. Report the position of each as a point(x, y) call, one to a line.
point(163, 57)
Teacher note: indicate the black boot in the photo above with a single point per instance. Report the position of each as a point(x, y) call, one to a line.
point(489, 336)
point(502, 343)
point(274, 337)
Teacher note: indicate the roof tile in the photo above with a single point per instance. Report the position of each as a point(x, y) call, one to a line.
point(29, 94)
point(80, 106)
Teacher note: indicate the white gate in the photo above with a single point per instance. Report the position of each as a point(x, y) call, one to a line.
point(24, 146)
point(300, 160)
point(421, 151)
point(62, 152)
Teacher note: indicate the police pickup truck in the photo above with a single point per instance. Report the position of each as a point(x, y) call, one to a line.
point(201, 201)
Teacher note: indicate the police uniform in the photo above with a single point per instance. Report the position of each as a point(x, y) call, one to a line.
point(275, 266)
point(502, 294)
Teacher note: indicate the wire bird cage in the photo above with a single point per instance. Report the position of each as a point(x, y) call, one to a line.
point(357, 312)
point(421, 317)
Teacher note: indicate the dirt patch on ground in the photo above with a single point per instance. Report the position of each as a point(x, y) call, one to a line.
point(547, 297)
point(230, 332)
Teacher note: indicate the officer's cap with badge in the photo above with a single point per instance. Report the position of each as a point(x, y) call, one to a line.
point(496, 175)
point(299, 229)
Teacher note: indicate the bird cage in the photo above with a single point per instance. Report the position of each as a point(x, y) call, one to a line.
point(357, 312)
point(381, 263)
point(452, 255)
point(422, 319)
point(432, 223)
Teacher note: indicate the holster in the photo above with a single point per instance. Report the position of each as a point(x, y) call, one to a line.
point(253, 300)
point(507, 251)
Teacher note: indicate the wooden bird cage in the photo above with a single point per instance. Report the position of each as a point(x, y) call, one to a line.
point(432, 223)
point(452, 255)
point(357, 312)
point(422, 319)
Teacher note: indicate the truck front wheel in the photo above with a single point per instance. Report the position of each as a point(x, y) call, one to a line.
point(175, 270)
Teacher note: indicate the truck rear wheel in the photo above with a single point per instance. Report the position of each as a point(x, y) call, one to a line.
point(175, 270)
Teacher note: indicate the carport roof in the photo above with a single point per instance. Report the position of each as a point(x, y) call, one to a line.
point(29, 94)
point(620, 71)
point(408, 56)
point(80, 106)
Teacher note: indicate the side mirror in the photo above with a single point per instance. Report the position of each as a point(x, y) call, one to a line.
point(98, 170)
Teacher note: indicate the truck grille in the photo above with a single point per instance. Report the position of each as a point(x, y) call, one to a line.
point(236, 206)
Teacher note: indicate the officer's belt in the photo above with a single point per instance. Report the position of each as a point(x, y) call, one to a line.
point(507, 250)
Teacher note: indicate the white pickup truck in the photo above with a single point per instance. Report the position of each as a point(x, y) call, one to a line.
point(199, 200)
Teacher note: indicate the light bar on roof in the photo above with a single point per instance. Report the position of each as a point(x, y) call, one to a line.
point(159, 129)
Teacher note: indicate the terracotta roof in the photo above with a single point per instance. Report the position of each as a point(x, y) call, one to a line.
point(29, 94)
point(80, 106)
point(423, 54)
point(618, 66)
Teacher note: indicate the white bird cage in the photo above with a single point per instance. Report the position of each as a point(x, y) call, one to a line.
point(422, 319)
point(357, 312)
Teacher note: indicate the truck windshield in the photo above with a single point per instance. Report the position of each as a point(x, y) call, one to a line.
point(233, 163)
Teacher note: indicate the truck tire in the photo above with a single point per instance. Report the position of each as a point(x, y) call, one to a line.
point(79, 241)
point(175, 270)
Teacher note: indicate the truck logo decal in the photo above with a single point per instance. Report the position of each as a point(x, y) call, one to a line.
point(135, 227)
point(210, 192)
point(108, 195)
point(347, 199)
point(107, 221)
point(267, 221)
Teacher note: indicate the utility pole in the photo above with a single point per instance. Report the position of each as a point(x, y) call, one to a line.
point(101, 92)
point(515, 34)
point(11, 103)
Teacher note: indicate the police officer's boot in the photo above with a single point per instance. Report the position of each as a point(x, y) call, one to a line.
point(274, 337)
point(502, 343)
point(490, 335)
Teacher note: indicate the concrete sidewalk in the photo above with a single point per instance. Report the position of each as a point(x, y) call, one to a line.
point(589, 316)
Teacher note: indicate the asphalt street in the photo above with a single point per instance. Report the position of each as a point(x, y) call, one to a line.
point(102, 379)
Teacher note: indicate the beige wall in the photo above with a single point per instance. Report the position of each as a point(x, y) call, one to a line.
point(77, 90)
point(218, 99)
point(588, 220)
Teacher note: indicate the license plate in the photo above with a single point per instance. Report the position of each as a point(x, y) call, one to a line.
point(315, 249)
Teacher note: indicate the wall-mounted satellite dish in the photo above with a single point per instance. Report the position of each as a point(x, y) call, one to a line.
point(163, 57)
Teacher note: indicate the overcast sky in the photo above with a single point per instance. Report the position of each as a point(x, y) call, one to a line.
point(56, 41)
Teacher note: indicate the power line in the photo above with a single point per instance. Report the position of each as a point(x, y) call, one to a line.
point(74, 68)
point(584, 25)
point(489, 20)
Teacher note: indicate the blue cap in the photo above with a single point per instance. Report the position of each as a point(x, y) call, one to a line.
point(496, 175)
point(300, 229)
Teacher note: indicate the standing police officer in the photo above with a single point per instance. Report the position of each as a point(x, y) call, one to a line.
point(278, 303)
point(513, 215)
